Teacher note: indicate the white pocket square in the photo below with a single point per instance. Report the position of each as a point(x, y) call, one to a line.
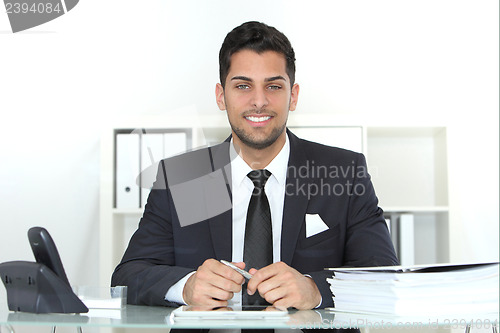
point(314, 225)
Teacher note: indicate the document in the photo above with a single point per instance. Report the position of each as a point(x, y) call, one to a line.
point(406, 242)
point(127, 170)
point(155, 147)
point(417, 290)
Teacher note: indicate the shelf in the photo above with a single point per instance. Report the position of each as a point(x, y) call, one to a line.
point(388, 209)
point(406, 131)
point(415, 209)
point(119, 211)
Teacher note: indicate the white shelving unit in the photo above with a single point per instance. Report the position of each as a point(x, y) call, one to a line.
point(408, 165)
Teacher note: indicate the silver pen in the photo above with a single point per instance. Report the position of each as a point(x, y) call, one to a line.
point(247, 275)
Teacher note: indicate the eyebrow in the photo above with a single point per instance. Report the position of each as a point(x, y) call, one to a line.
point(269, 79)
point(275, 78)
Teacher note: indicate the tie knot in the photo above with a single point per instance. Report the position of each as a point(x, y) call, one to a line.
point(259, 177)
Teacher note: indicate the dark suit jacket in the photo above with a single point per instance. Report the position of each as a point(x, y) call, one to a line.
point(328, 181)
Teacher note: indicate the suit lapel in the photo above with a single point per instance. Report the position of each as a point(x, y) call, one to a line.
point(221, 226)
point(221, 231)
point(296, 201)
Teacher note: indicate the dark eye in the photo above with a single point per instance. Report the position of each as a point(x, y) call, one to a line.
point(274, 87)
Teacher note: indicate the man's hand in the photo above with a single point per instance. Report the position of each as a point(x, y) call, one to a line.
point(213, 284)
point(283, 286)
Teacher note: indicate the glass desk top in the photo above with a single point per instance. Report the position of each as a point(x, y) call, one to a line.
point(162, 317)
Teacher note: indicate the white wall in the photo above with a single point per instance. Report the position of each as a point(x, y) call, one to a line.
point(369, 61)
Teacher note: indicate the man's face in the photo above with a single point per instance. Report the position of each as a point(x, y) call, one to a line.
point(257, 97)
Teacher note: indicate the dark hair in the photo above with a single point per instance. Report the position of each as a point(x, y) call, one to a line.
point(258, 37)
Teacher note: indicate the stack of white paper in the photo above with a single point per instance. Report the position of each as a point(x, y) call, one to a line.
point(417, 290)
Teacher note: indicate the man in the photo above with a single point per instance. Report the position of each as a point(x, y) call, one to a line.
point(173, 258)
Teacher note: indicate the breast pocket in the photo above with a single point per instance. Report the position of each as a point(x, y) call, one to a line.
point(326, 236)
point(319, 251)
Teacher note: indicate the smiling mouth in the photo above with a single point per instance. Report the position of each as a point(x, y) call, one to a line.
point(258, 119)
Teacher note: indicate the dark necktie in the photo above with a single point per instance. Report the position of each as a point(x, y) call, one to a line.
point(258, 247)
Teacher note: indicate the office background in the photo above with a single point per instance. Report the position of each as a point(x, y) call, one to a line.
point(388, 62)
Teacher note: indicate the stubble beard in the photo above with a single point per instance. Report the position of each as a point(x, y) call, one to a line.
point(252, 142)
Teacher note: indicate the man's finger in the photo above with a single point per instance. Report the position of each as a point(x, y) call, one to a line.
point(261, 275)
point(222, 283)
point(229, 273)
point(269, 284)
point(274, 294)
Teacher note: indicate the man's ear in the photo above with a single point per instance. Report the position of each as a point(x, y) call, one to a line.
point(294, 97)
point(219, 96)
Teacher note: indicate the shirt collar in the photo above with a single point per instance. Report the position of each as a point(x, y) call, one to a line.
point(278, 166)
